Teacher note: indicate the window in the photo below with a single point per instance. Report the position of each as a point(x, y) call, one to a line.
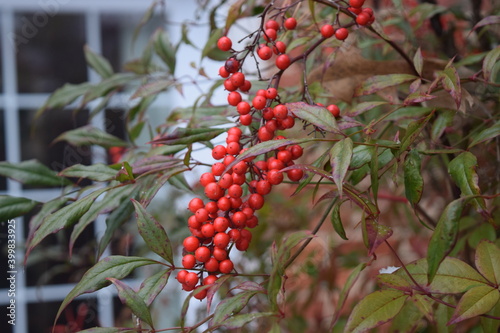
point(41, 48)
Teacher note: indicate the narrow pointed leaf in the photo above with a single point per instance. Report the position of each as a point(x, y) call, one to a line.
point(379, 82)
point(64, 96)
point(488, 261)
point(62, 218)
point(152, 88)
point(33, 173)
point(374, 234)
point(337, 222)
point(48, 208)
point(363, 107)
point(418, 61)
point(11, 207)
point(153, 233)
point(475, 302)
point(413, 131)
point(130, 298)
point(463, 172)
point(489, 63)
point(319, 116)
point(413, 180)
point(98, 172)
point(231, 306)
point(153, 285)
point(189, 135)
point(445, 235)
point(493, 19)
point(165, 49)
point(451, 83)
point(341, 155)
point(394, 282)
point(375, 309)
point(485, 135)
point(98, 63)
point(351, 280)
point(239, 320)
point(89, 135)
point(95, 278)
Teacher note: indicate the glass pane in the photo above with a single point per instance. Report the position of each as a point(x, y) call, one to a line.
point(79, 315)
point(37, 138)
point(117, 31)
point(50, 51)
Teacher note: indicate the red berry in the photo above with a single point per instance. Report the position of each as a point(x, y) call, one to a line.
point(208, 230)
point(224, 43)
point(243, 108)
point(235, 191)
point(279, 47)
point(280, 111)
point(327, 31)
point(234, 98)
point(218, 168)
point(239, 219)
point(265, 52)
point(272, 24)
point(264, 134)
point(219, 152)
point(356, 3)
point(213, 191)
point(221, 240)
point(212, 265)
point(290, 23)
point(200, 294)
point(201, 215)
point(195, 204)
point(219, 254)
point(240, 168)
point(191, 243)
point(334, 110)
point(283, 61)
point(341, 33)
point(181, 275)
point(275, 177)
point(202, 254)
point(247, 85)
point(232, 65)
point(210, 279)
point(256, 201)
point(223, 72)
point(226, 266)
point(234, 234)
point(246, 119)
point(238, 79)
point(270, 35)
point(221, 223)
point(191, 279)
point(206, 178)
point(224, 204)
point(235, 131)
point(229, 86)
point(242, 244)
point(263, 187)
point(295, 174)
point(271, 93)
point(233, 148)
point(259, 102)
point(188, 261)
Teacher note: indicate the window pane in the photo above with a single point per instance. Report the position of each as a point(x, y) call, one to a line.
point(37, 138)
point(50, 51)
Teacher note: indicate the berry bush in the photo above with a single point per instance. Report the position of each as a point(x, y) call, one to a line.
point(377, 118)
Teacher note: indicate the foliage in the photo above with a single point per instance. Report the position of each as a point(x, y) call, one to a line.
point(399, 142)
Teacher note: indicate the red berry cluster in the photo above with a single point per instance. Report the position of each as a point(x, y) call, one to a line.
point(235, 187)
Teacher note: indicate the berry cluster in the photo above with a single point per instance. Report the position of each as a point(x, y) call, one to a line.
point(235, 187)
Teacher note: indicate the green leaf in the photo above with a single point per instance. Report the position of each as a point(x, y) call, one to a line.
point(98, 172)
point(100, 64)
point(95, 278)
point(231, 306)
point(106, 86)
point(363, 107)
point(463, 172)
point(475, 302)
point(452, 277)
point(33, 173)
point(110, 202)
point(316, 115)
point(130, 298)
point(89, 135)
point(64, 96)
point(153, 285)
point(488, 261)
point(493, 19)
point(489, 63)
point(239, 320)
point(337, 222)
point(413, 180)
point(491, 324)
point(375, 309)
point(379, 82)
point(413, 131)
point(451, 83)
point(153, 233)
point(349, 283)
point(341, 154)
point(374, 177)
point(418, 61)
point(188, 135)
point(165, 49)
point(11, 207)
point(47, 209)
point(445, 235)
point(443, 121)
point(152, 88)
point(233, 13)
point(109, 330)
point(62, 218)
point(485, 135)
point(374, 233)
point(394, 282)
